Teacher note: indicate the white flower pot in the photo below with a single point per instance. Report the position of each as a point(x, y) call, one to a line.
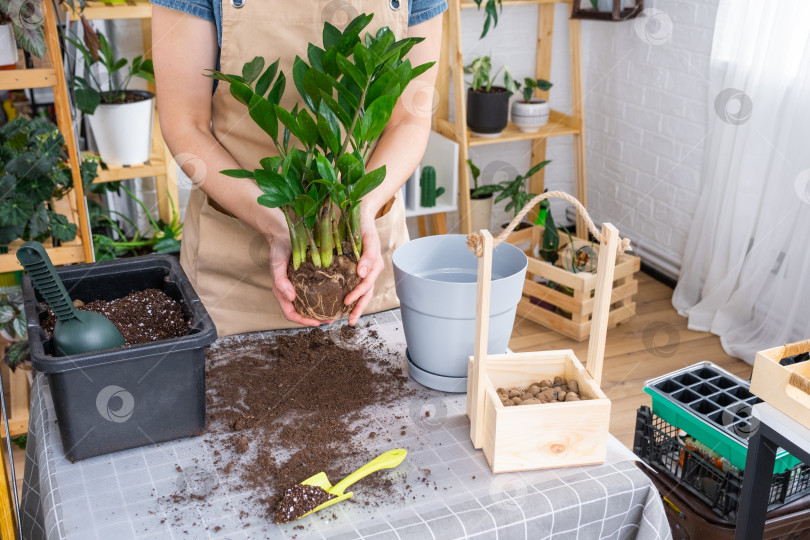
point(528, 117)
point(123, 132)
point(8, 46)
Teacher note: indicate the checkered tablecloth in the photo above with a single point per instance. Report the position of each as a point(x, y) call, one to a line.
point(129, 494)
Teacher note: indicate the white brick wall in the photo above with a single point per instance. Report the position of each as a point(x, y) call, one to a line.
point(645, 114)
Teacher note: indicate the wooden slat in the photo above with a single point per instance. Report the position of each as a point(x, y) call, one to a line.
point(558, 124)
point(467, 4)
point(59, 255)
point(460, 112)
point(113, 174)
point(578, 108)
point(114, 10)
point(480, 362)
point(17, 79)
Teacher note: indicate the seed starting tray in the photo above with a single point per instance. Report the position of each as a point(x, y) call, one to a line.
point(713, 406)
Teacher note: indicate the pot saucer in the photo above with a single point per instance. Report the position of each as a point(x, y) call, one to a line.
point(487, 135)
point(442, 383)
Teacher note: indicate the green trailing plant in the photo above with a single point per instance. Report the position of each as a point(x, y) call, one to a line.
point(480, 191)
point(13, 326)
point(530, 85)
point(24, 17)
point(349, 88)
point(483, 79)
point(427, 186)
point(33, 171)
point(162, 238)
point(515, 190)
point(491, 8)
point(95, 49)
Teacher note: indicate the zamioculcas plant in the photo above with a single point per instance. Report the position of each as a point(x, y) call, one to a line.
point(349, 89)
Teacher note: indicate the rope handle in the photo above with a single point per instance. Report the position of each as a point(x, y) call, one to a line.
point(476, 243)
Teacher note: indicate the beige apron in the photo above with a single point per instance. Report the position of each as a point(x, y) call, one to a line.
point(227, 261)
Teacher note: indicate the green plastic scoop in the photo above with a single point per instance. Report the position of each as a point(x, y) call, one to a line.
point(75, 331)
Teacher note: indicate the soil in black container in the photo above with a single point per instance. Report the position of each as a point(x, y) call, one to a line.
point(294, 405)
point(140, 316)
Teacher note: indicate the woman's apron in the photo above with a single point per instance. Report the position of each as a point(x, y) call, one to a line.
point(227, 261)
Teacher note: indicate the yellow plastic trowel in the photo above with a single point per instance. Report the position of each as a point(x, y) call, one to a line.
point(388, 460)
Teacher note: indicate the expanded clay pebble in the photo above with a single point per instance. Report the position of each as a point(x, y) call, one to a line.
point(545, 391)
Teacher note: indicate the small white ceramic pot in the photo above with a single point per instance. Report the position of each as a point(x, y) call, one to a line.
point(528, 117)
point(123, 132)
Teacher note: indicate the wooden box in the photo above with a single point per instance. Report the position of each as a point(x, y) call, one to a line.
point(548, 435)
point(571, 315)
point(787, 388)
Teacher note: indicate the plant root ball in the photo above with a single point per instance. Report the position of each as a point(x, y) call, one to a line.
point(319, 292)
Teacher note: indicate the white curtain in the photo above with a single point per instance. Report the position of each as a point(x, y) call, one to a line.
point(746, 269)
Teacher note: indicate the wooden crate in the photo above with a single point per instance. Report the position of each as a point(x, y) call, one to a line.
point(548, 435)
point(576, 322)
point(786, 388)
point(18, 396)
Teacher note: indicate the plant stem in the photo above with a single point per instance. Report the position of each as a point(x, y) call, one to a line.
point(294, 243)
point(354, 122)
point(336, 230)
point(353, 225)
point(314, 254)
point(327, 238)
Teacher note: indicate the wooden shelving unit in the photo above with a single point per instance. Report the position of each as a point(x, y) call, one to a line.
point(160, 164)
point(72, 205)
point(451, 68)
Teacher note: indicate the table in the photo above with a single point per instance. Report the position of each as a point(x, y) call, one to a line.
point(128, 494)
point(774, 430)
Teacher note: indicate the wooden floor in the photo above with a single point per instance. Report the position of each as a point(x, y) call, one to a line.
point(654, 342)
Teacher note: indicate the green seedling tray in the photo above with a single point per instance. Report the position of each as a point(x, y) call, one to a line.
point(713, 406)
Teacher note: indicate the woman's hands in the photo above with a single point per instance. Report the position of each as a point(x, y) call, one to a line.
point(369, 266)
point(283, 290)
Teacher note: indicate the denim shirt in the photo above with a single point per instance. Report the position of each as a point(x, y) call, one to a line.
point(419, 11)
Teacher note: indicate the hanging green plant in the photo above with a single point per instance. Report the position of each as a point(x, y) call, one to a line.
point(491, 9)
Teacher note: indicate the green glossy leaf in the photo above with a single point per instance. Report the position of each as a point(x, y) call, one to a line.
point(237, 173)
point(348, 69)
point(536, 168)
point(376, 117)
point(276, 185)
point(388, 83)
point(308, 128)
point(331, 35)
point(252, 69)
point(300, 69)
point(263, 113)
point(350, 168)
point(87, 100)
point(329, 127)
point(38, 224)
point(336, 108)
point(277, 92)
point(363, 57)
point(264, 82)
point(325, 169)
point(272, 163)
point(366, 184)
point(288, 120)
point(305, 206)
point(241, 92)
point(15, 210)
point(315, 56)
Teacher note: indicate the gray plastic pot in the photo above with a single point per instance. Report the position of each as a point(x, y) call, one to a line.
point(436, 284)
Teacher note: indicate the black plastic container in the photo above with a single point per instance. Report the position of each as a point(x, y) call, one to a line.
point(488, 112)
point(657, 443)
point(116, 399)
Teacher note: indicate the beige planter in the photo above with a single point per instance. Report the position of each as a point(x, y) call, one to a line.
point(481, 213)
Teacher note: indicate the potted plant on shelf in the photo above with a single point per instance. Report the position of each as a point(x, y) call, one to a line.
point(349, 88)
point(164, 237)
point(515, 191)
point(30, 37)
point(121, 119)
point(487, 104)
point(33, 172)
point(530, 113)
point(480, 200)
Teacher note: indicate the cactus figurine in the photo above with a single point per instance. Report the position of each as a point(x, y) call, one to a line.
point(427, 185)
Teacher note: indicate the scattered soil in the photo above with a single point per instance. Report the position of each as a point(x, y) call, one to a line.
point(141, 316)
point(298, 500)
point(319, 292)
point(292, 405)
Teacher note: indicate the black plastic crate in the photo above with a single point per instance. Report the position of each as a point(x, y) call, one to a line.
point(657, 444)
point(117, 399)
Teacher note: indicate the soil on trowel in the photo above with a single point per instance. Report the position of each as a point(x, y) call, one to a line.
point(140, 316)
point(298, 500)
point(320, 292)
point(292, 406)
